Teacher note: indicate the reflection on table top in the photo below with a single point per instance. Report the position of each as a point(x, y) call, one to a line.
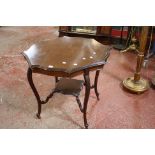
point(66, 54)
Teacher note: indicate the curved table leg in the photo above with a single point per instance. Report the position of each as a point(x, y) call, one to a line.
point(87, 92)
point(95, 84)
point(29, 77)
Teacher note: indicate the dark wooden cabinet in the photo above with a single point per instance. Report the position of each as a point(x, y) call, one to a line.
point(101, 33)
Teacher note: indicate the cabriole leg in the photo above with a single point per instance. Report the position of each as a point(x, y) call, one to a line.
point(87, 92)
point(30, 80)
point(95, 83)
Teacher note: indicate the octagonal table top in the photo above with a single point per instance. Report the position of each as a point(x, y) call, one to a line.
point(66, 54)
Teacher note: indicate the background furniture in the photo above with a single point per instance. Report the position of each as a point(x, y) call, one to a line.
point(103, 34)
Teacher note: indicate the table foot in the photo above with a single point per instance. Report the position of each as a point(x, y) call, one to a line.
point(86, 126)
point(38, 116)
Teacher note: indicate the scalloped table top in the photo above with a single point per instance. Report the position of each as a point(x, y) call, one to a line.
point(67, 54)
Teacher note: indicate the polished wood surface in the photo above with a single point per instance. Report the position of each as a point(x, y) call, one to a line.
point(65, 54)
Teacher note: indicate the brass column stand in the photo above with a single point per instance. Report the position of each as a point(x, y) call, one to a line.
point(137, 84)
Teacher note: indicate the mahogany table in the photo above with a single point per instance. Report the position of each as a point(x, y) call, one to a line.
point(66, 57)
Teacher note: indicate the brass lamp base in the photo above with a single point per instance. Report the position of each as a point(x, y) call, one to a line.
point(136, 87)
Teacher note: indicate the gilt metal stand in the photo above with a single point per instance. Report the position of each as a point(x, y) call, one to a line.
point(137, 84)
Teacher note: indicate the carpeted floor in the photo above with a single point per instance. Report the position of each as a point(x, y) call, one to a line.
point(116, 108)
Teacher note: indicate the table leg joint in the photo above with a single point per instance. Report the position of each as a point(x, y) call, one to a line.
point(48, 97)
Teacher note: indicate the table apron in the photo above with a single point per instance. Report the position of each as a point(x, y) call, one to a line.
point(64, 74)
